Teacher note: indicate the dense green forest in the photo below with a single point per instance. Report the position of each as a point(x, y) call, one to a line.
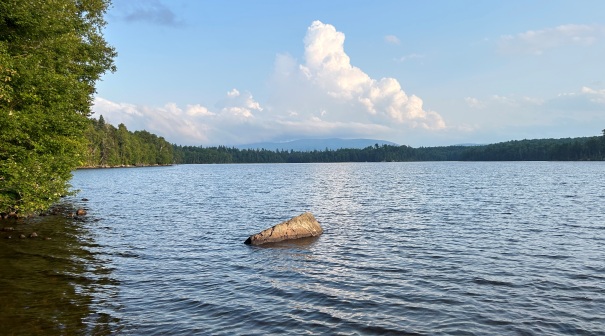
point(569, 149)
point(51, 55)
point(109, 146)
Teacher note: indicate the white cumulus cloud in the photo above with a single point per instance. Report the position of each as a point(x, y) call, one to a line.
point(330, 82)
point(198, 110)
point(240, 105)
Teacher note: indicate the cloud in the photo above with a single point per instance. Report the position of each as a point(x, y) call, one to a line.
point(502, 101)
point(193, 125)
point(538, 41)
point(584, 100)
point(233, 93)
point(474, 102)
point(392, 39)
point(595, 96)
point(408, 57)
point(198, 110)
point(324, 96)
point(239, 105)
point(328, 81)
point(149, 11)
point(585, 106)
point(169, 120)
point(231, 125)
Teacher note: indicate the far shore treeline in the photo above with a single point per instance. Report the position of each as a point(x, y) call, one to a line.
point(109, 146)
point(569, 149)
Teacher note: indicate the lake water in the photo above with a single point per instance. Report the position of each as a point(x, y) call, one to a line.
point(408, 248)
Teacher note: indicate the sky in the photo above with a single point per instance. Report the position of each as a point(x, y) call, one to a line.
point(414, 72)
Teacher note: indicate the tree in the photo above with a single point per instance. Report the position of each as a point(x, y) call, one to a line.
point(51, 55)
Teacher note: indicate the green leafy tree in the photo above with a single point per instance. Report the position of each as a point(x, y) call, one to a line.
point(51, 55)
point(109, 146)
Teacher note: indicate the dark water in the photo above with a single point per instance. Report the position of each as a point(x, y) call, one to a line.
point(408, 248)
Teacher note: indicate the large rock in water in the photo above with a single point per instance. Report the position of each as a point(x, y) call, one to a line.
point(301, 226)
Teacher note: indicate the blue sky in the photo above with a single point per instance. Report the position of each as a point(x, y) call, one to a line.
point(419, 73)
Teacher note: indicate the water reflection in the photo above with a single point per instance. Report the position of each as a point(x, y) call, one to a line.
point(54, 283)
point(300, 244)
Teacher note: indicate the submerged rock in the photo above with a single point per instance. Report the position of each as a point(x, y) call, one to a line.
point(301, 226)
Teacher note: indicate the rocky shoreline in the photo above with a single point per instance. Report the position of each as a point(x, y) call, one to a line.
point(14, 227)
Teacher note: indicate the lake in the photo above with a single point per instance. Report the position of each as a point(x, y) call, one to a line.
point(423, 248)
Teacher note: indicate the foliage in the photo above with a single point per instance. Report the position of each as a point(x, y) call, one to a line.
point(222, 154)
point(570, 149)
point(573, 149)
point(51, 55)
point(111, 147)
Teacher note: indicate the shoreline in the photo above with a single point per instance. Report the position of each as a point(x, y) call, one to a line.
point(124, 166)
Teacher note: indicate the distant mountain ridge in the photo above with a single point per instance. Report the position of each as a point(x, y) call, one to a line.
point(470, 144)
point(307, 145)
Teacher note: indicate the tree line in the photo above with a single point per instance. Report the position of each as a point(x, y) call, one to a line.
point(568, 149)
point(51, 55)
point(109, 146)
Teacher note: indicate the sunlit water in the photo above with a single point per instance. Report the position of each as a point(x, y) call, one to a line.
point(408, 248)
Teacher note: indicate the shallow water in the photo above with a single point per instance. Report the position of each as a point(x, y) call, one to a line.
point(417, 248)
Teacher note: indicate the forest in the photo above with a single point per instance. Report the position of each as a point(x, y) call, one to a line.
point(568, 149)
point(109, 146)
point(51, 55)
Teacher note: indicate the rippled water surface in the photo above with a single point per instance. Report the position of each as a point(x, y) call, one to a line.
point(408, 248)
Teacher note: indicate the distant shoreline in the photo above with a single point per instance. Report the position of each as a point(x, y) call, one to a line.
point(124, 166)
